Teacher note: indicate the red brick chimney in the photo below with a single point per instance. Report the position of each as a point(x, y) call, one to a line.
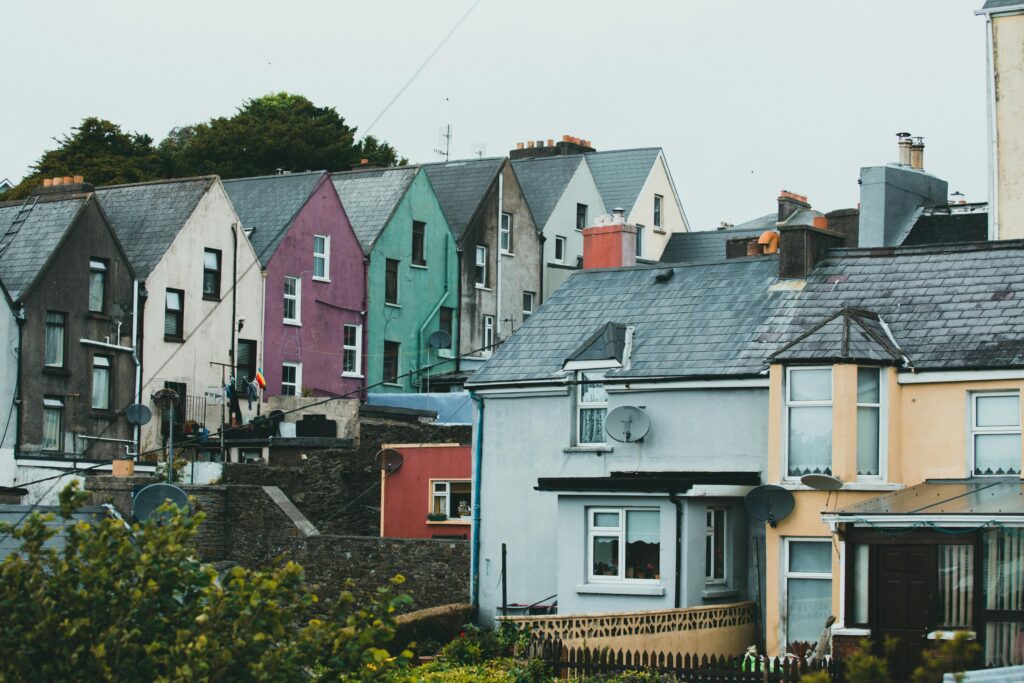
point(611, 245)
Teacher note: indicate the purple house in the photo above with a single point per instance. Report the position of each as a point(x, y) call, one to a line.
point(315, 283)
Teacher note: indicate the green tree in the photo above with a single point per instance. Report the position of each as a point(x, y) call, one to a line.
point(100, 151)
point(276, 131)
point(121, 603)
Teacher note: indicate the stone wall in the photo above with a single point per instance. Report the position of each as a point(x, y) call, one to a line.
point(339, 490)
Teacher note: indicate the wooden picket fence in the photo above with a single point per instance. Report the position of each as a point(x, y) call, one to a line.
point(573, 662)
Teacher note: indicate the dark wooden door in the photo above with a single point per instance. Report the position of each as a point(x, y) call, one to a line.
point(905, 594)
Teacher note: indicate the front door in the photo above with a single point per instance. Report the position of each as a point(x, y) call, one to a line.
point(906, 592)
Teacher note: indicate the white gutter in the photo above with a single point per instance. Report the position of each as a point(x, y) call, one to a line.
point(105, 345)
point(943, 376)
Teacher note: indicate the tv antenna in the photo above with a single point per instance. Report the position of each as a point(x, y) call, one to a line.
point(444, 140)
point(478, 149)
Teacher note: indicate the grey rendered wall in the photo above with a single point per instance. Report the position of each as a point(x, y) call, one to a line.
point(525, 438)
point(8, 371)
point(562, 223)
point(890, 197)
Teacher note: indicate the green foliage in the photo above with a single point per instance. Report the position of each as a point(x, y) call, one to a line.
point(99, 150)
point(491, 671)
point(864, 667)
point(131, 604)
point(952, 656)
point(476, 646)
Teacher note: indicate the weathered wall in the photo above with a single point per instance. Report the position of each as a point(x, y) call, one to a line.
point(581, 189)
point(8, 369)
point(345, 411)
point(339, 491)
point(406, 495)
point(1008, 61)
point(325, 307)
point(642, 213)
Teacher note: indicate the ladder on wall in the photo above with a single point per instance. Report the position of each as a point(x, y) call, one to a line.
point(15, 226)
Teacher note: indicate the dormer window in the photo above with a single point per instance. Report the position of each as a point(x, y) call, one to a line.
point(808, 421)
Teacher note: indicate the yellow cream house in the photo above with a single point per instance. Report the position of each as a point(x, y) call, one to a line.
point(897, 376)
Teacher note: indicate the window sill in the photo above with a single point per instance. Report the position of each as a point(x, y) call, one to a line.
point(54, 370)
point(102, 415)
point(508, 253)
point(97, 315)
point(794, 485)
point(392, 384)
point(852, 631)
point(173, 339)
point(445, 353)
point(291, 323)
point(588, 449)
point(620, 589)
point(483, 287)
point(321, 279)
point(391, 305)
point(211, 297)
point(420, 266)
point(719, 593)
point(351, 375)
point(660, 231)
point(450, 522)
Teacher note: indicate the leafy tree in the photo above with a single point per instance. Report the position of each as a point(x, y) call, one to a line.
point(99, 150)
point(121, 603)
point(276, 131)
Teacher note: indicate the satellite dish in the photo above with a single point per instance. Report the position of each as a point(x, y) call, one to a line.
point(822, 482)
point(149, 498)
point(769, 503)
point(138, 414)
point(627, 424)
point(388, 460)
point(440, 340)
point(165, 398)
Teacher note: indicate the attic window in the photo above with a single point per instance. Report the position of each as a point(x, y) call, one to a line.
point(605, 347)
point(664, 275)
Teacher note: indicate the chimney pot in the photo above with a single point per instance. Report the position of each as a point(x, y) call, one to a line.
point(68, 180)
point(551, 142)
point(58, 181)
point(47, 182)
point(904, 148)
point(364, 162)
point(79, 179)
point(520, 145)
point(917, 154)
point(566, 138)
point(529, 144)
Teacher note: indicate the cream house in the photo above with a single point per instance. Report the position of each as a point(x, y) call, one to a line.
point(203, 302)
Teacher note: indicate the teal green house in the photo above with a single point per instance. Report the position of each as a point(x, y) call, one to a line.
point(412, 277)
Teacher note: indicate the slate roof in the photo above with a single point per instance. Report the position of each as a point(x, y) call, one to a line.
point(40, 234)
point(269, 204)
point(706, 245)
point(461, 186)
point(148, 216)
point(15, 514)
point(370, 198)
point(699, 322)
point(1000, 4)
point(851, 335)
point(948, 307)
point(543, 181)
point(943, 226)
point(620, 174)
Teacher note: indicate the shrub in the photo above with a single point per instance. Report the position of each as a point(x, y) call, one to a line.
point(429, 628)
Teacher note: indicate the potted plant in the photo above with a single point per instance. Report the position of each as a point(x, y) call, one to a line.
point(436, 517)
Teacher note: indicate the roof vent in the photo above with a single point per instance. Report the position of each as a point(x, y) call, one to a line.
point(664, 275)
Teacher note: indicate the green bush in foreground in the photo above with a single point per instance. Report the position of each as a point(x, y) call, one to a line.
point(127, 604)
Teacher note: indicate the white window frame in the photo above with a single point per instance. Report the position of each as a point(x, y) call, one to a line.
point(883, 439)
point(527, 312)
point(446, 493)
point(480, 267)
point(976, 430)
point(620, 531)
point(709, 578)
point(50, 403)
point(788, 404)
point(357, 349)
point(100, 362)
point(488, 333)
point(582, 405)
point(324, 256)
point(559, 246)
point(505, 243)
point(787, 575)
point(298, 378)
point(296, 297)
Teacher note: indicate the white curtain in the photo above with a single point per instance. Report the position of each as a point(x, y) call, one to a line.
point(1004, 590)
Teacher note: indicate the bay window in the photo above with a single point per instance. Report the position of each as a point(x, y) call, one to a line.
point(623, 545)
point(808, 421)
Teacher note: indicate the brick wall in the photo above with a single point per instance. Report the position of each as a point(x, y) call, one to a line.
point(339, 490)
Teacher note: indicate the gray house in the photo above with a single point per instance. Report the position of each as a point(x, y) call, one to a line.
point(598, 525)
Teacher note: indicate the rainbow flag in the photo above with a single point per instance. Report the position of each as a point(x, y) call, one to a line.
point(260, 379)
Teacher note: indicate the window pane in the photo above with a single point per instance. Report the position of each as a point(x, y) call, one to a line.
point(51, 429)
point(173, 301)
point(460, 499)
point(96, 282)
point(718, 566)
point(1003, 643)
point(996, 453)
point(860, 584)
point(810, 440)
point(55, 339)
point(998, 411)
point(100, 387)
point(810, 385)
point(606, 556)
point(811, 557)
point(289, 286)
point(592, 425)
point(1002, 569)
point(607, 520)
point(956, 585)
point(591, 391)
point(643, 526)
point(808, 605)
point(868, 385)
point(867, 441)
point(643, 544)
point(210, 260)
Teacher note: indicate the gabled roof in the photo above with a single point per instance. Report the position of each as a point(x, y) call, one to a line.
point(949, 307)
point(997, 5)
point(851, 335)
point(461, 186)
point(947, 225)
point(543, 181)
point(269, 204)
point(38, 236)
point(699, 322)
point(147, 217)
point(620, 174)
point(608, 343)
point(706, 245)
point(370, 198)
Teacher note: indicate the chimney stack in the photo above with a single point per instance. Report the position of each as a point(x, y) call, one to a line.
point(549, 148)
point(801, 247)
point(917, 154)
point(611, 243)
point(790, 203)
point(63, 185)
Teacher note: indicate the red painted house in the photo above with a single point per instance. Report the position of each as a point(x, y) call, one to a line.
point(430, 495)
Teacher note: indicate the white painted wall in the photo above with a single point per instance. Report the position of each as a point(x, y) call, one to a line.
point(524, 439)
point(581, 189)
point(207, 323)
point(1008, 60)
point(8, 374)
point(673, 218)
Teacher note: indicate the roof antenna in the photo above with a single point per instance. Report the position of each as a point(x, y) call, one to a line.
point(444, 139)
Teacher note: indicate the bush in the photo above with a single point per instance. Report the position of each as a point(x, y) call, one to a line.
point(476, 646)
point(430, 628)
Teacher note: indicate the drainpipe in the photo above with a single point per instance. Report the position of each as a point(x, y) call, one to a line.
point(474, 552)
point(497, 281)
point(19, 317)
point(136, 429)
point(365, 325)
point(674, 497)
point(433, 312)
point(457, 327)
point(234, 294)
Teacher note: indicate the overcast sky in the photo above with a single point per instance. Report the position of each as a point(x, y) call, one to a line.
point(746, 98)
